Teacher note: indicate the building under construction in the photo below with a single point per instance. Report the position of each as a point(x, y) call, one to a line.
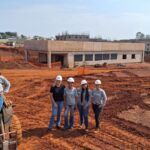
point(79, 53)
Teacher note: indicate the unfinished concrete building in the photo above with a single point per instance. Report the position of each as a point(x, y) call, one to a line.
point(78, 53)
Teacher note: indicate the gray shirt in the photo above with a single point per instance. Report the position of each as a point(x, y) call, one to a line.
point(70, 95)
point(84, 102)
point(99, 97)
point(6, 83)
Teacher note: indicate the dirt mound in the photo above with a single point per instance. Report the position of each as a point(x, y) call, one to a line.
point(13, 58)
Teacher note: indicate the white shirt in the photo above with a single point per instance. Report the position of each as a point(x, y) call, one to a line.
point(99, 97)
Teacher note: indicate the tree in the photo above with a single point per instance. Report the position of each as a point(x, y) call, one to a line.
point(140, 35)
point(23, 36)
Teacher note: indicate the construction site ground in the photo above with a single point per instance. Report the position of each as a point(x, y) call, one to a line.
point(125, 120)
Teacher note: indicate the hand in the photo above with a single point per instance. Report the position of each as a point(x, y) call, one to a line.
point(9, 103)
point(55, 105)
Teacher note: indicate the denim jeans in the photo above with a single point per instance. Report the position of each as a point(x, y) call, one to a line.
point(56, 111)
point(83, 111)
point(1, 102)
point(97, 111)
point(68, 109)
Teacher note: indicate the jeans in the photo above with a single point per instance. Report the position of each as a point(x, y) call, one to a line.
point(97, 111)
point(56, 111)
point(83, 111)
point(1, 102)
point(68, 109)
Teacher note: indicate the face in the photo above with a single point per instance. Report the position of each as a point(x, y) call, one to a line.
point(70, 84)
point(58, 82)
point(97, 86)
point(84, 86)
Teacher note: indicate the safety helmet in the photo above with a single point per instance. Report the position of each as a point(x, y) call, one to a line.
point(71, 80)
point(59, 78)
point(83, 82)
point(98, 82)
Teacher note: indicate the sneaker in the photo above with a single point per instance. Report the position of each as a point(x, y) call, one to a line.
point(65, 129)
point(50, 129)
point(58, 127)
point(96, 130)
point(86, 130)
point(70, 128)
point(81, 126)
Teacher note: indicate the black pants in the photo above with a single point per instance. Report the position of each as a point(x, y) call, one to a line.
point(97, 111)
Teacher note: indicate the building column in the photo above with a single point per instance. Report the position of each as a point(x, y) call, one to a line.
point(70, 58)
point(26, 55)
point(143, 55)
point(49, 59)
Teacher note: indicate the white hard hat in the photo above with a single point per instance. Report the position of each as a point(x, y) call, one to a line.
point(70, 79)
point(98, 82)
point(83, 82)
point(1, 88)
point(59, 78)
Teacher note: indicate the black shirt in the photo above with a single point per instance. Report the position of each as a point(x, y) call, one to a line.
point(58, 93)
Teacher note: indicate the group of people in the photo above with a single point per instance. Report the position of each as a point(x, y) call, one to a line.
point(70, 97)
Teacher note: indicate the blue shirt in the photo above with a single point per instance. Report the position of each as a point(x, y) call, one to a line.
point(70, 95)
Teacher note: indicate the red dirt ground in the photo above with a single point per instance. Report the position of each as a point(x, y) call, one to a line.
point(30, 93)
point(126, 88)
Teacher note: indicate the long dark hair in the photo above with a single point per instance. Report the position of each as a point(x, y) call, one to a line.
point(86, 94)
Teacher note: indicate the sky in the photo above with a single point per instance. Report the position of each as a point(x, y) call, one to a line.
point(110, 19)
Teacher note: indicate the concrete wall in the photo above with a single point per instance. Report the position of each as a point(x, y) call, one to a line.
point(41, 45)
point(77, 46)
point(138, 59)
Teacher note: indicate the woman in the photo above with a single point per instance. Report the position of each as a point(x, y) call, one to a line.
point(3, 90)
point(70, 96)
point(99, 99)
point(83, 103)
point(57, 100)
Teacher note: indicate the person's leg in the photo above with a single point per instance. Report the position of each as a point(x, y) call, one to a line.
point(71, 116)
point(66, 117)
point(1, 102)
point(60, 106)
point(85, 113)
point(54, 112)
point(99, 111)
point(80, 108)
point(95, 114)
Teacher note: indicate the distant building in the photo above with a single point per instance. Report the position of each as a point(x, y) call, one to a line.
point(73, 37)
point(78, 53)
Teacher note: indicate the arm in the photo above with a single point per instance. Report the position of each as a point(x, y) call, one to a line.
point(65, 98)
point(6, 83)
point(90, 99)
point(105, 98)
point(52, 98)
point(65, 101)
point(77, 95)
